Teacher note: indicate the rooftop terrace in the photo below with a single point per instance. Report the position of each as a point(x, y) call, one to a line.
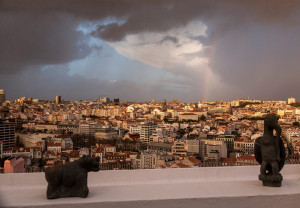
point(191, 187)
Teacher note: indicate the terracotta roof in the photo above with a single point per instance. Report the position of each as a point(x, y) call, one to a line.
point(99, 150)
point(243, 139)
point(62, 136)
point(232, 160)
point(181, 165)
point(52, 144)
point(247, 157)
point(194, 160)
point(74, 153)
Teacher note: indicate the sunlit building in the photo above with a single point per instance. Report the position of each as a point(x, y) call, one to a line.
point(2, 96)
point(291, 100)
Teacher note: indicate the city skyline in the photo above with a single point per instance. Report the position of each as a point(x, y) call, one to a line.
point(106, 100)
point(144, 50)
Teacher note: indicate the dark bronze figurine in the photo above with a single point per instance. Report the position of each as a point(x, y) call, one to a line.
point(270, 152)
point(70, 180)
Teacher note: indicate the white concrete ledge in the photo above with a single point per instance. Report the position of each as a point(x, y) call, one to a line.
point(113, 187)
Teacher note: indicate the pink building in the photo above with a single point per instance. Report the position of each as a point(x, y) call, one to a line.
point(14, 165)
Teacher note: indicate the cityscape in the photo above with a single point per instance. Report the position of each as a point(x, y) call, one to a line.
point(38, 133)
point(149, 103)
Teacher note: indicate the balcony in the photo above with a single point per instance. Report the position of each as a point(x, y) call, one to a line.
point(192, 187)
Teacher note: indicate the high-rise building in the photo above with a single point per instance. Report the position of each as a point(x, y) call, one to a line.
point(7, 133)
point(147, 129)
point(58, 99)
point(2, 96)
point(291, 100)
point(116, 100)
point(104, 100)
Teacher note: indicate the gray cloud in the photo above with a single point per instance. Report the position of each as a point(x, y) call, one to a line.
point(260, 60)
point(170, 39)
point(46, 84)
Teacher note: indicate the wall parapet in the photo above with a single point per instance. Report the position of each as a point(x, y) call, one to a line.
point(29, 189)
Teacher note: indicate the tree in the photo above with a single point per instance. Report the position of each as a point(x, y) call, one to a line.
point(19, 143)
point(202, 118)
point(166, 120)
point(295, 104)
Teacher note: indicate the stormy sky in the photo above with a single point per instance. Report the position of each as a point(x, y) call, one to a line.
point(140, 50)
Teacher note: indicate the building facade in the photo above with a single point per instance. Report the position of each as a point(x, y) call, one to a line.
point(212, 150)
point(147, 129)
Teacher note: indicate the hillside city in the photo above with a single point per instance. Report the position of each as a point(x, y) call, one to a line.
point(38, 133)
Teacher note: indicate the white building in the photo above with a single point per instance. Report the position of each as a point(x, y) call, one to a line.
point(188, 116)
point(186, 147)
point(212, 149)
point(291, 100)
point(134, 129)
point(148, 160)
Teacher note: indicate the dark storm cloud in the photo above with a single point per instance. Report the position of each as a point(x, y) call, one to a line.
point(30, 39)
point(255, 43)
point(44, 31)
point(156, 15)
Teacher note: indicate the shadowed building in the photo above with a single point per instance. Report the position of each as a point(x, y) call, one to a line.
point(58, 99)
point(7, 133)
point(106, 133)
